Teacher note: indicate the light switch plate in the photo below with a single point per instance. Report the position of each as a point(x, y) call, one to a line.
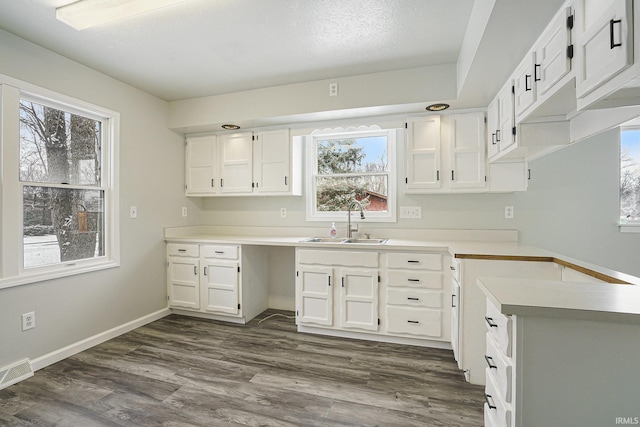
point(410, 212)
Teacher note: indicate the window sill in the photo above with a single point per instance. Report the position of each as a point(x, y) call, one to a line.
point(26, 279)
point(629, 228)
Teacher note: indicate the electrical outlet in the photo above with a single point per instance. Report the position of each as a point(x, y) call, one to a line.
point(283, 212)
point(184, 211)
point(508, 212)
point(333, 89)
point(28, 321)
point(133, 212)
point(410, 212)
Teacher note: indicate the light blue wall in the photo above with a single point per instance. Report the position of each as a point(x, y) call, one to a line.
point(571, 206)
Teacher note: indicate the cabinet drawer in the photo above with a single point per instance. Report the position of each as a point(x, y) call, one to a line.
point(496, 409)
point(418, 261)
point(182, 249)
point(500, 327)
point(337, 257)
point(415, 297)
point(224, 252)
point(415, 321)
point(499, 368)
point(417, 279)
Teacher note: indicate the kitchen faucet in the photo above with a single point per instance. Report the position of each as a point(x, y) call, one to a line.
point(359, 205)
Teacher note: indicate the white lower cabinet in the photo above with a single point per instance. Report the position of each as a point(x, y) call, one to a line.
point(393, 294)
point(208, 281)
point(499, 371)
point(347, 277)
point(314, 295)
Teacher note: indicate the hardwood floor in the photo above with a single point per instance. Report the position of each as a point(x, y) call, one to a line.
point(181, 371)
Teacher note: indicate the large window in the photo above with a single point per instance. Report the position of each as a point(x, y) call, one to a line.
point(347, 166)
point(630, 176)
point(58, 188)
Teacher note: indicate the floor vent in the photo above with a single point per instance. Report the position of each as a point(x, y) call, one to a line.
point(17, 372)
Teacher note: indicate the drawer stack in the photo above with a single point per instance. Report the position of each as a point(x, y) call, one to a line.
point(499, 390)
point(414, 294)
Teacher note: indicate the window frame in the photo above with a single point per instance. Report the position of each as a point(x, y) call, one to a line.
point(12, 270)
point(312, 166)
point(626, 226)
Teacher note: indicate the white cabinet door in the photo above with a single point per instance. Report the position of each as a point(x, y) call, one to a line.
point(271, 158)
point(505, 136)
point(315, 295)
point(220, 283)
point(605, 29)
point(455, 316)
point(467, 150)
point(359, 299)
point(552, 60)
point(423, 153)
point(236, 166)
point(493, 124)
point(525, 89)
point(183, 282)
point(200, 170)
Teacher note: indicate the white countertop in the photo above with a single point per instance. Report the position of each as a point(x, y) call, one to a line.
point(551, 298)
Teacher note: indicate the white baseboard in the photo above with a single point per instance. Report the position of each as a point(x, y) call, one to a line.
point(70, 350)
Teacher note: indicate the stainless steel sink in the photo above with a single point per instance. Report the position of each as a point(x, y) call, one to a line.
point(366, 241)
point(322, 240)
point(342, 240)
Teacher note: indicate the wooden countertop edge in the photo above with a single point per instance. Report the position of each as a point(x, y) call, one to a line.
point(583, 270)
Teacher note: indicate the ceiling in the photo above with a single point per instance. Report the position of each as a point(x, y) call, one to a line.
point(211, 47)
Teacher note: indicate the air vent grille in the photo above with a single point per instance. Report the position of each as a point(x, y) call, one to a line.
point(15, 373)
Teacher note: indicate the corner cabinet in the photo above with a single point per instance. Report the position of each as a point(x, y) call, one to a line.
point(373, 294)
point(243, 164)
point(448, 154)
point(208, 281)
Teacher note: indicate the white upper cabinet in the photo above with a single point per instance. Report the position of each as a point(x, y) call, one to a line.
point(244, 164)
point(467, 150)
point(605, 38)
point(423, 154)
point(236, 162)
point(553, 52)
point(271, 161)
point(200, 176)
point(493, 123)
point(505, 134)
point(523, 80)
point(445, 154)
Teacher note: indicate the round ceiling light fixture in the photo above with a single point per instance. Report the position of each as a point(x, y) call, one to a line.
point(437, 107)
point(230, 127)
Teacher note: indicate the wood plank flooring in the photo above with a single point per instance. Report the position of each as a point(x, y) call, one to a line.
point(183, 371)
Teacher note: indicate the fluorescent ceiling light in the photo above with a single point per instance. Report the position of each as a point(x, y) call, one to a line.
point(90, 13)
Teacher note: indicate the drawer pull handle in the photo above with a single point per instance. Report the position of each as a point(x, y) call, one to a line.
point(413, 261)
point(611, 33)
point(413, 321)
point(195, 270)
point(452, 268)
point(491, 405)
point(413, 299)
point(182, 250)
point(205, 271)
point(413, 280)
point(453, 301)
point(220, 252)
point(489, 321)
point(489, 360)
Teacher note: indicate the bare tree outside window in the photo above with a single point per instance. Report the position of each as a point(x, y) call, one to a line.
point(60, 167)
point(630, 175)
point(352, 168)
